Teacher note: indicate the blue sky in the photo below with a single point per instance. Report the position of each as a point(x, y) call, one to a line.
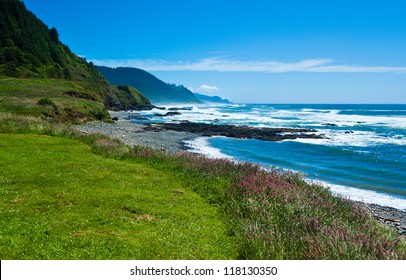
point(261, 51)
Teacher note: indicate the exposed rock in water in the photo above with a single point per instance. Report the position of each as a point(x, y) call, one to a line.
point(329, 124)
point(168, 114)
point(172, 114)
point(242, 132)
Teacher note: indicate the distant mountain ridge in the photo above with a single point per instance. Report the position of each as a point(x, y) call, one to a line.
point(29, 49)
point(212, 99)
point(153, 88)
point(156, 90)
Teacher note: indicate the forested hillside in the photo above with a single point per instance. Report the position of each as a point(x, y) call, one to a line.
point(153, 88)
point(29, 49)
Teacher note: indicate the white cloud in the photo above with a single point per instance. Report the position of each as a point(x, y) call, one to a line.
point(203, 88)
point(268, 66)
point(207, 88)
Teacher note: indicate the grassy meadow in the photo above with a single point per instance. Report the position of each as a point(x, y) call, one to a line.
point(59, 200)
point(53, 98)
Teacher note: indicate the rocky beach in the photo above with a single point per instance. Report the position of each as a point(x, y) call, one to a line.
point(389, 216)
point(134, 134)
point(171, 138)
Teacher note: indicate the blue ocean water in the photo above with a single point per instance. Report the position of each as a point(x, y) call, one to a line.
point(363, 155)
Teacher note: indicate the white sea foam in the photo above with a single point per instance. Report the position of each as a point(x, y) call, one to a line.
point(366, 196)
point(200, 145)
point(342, 120)
point(318, 117)
point(319, 110)
point(353, 138)
point(269, 116)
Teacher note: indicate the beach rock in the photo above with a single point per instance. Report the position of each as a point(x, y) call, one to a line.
point(114, 118)
point(242, 132)
point(329, 124)
point(168, 114)
point(388, 216)
point(172, 114)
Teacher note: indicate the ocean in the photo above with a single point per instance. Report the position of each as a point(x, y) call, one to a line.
point(363, 155)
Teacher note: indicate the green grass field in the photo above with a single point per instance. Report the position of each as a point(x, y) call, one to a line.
point(23, 96)
point(58, 200)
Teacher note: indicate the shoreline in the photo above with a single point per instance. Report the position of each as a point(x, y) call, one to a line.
point(389, 216)
point(132, 134)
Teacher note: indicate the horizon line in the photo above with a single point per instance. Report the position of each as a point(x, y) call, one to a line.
point(318, 65)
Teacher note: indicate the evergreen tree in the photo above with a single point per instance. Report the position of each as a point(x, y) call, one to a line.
point(53, 34)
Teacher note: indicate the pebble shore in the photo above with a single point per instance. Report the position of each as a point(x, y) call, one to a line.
point(389, 216)
point(132, 134)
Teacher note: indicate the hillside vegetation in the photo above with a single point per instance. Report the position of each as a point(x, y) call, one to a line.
point(31, 50)
point(211, 99)
point(153, 88)
point(51, 98)
point(129, 96)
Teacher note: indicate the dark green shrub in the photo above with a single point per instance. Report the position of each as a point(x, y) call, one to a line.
point(46, 102)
